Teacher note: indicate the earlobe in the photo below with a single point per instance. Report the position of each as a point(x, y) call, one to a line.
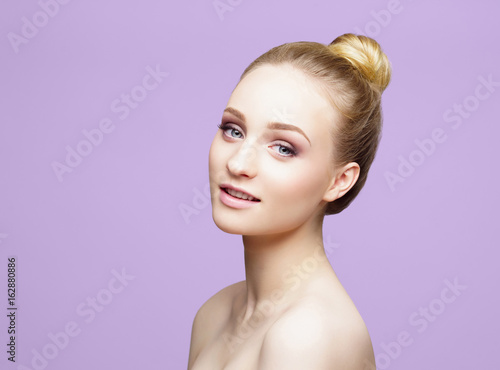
point(342, 182)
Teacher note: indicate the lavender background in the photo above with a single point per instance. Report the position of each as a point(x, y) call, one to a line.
point(119, 209)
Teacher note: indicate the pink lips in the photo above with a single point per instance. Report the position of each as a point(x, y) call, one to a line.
point(234, 202)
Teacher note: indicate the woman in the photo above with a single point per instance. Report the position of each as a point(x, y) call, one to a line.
point(296, 141)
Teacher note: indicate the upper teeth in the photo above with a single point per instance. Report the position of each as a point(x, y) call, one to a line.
point(239, 194)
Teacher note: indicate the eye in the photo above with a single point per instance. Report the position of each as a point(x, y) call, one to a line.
point(224, 127)
point(287, 152)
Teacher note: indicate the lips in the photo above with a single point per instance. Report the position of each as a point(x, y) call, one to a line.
point(238, 193)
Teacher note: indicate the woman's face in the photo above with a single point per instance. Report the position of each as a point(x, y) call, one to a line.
point(287, 167)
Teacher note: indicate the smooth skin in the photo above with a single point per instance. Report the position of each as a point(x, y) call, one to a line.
point(291, 312)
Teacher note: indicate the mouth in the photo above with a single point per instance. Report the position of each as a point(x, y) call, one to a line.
point(239, 194)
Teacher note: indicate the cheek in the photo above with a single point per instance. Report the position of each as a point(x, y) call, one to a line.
point(215, 155)
point(218, 157)
point(214, 164)
point(298, 185)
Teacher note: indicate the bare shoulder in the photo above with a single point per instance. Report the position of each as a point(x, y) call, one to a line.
point(216, 309)
point(314, 334)
point(210, 317)
point(218, 305)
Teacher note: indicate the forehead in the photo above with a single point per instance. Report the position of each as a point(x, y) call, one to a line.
point(283, 94)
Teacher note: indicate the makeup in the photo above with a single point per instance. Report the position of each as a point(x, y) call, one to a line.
point(235, 199)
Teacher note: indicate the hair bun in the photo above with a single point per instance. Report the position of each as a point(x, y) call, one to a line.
point(366, 55)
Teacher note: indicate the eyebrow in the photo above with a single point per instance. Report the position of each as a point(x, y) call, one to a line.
point(270, 125)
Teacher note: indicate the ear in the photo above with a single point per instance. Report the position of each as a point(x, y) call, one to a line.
point(343, 180)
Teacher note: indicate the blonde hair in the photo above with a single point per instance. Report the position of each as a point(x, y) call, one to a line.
point(353, 71)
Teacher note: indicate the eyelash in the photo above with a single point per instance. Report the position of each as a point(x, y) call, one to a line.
point(293, 152)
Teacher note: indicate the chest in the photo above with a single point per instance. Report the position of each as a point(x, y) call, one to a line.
point(235, 351)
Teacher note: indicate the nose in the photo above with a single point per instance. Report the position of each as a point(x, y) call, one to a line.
point(243, 161)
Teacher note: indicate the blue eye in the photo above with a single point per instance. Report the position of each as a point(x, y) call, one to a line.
point(225, 127)
point(289, 151)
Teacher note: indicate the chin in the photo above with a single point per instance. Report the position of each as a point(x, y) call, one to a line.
point(229, 224)
point(233, 224)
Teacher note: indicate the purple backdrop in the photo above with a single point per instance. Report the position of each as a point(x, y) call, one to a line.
point(108, 111)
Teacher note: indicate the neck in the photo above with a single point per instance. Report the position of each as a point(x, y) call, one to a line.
point(278, 266)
